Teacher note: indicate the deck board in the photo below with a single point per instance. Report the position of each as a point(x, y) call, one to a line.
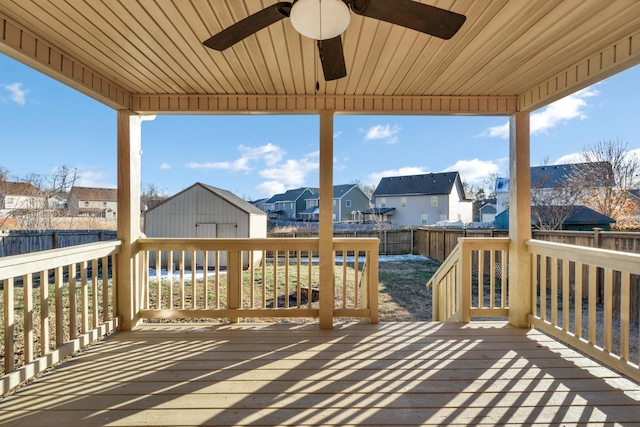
point(485, 374)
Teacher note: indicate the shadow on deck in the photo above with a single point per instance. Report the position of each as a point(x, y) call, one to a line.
point(288, 374)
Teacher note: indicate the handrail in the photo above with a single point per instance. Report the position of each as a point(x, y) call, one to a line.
point(82, 310)
point(458, 295)
point(239, 277)
point(573, 299)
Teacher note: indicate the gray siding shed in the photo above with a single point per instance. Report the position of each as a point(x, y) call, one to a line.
point(203, 211)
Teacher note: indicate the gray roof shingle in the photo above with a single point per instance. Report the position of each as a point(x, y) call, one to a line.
point(427, 184)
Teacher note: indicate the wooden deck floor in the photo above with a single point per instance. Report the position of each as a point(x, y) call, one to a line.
point(388, 374)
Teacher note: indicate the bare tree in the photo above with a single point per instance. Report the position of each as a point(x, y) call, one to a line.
point(366, 189)
point(151, 195)
point(616, 171)
point(62, 179)
point(552, 203)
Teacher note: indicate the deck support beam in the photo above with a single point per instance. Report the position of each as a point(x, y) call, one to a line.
point(519, 219)
point(325, 232)
point(128, 274)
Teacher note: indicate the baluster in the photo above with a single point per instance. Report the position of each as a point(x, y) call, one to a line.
point(27, 288)
point(84, 296)
point(205, 278)
point(625, 298)
point(94, 294)
point(592, 304)
point(44, 312)
point(608, 309)
point(9, 326)
point(565, 295)
point(578, 300)
point(73, 332)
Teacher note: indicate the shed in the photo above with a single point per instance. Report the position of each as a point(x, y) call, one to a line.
point(203, 211)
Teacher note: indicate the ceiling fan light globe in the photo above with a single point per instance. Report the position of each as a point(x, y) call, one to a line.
point(307, 15)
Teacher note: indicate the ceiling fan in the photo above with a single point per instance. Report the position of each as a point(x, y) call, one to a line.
point(325, 20)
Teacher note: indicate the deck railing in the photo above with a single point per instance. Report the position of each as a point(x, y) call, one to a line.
point(55, 302)
point(254, 278)
point(472, 281)
point(566, 283)
point(579, 295)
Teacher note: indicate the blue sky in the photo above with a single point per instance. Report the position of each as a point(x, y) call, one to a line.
point(44, 124)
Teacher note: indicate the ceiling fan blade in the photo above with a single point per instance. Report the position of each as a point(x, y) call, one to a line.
point(332, 58)
point(410, 14)
point(249, 25)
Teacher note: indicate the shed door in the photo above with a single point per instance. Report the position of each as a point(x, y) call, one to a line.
point(206, 231)
point(211, 231)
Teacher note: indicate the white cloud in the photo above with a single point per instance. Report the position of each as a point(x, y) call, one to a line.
point(557, 113)
point(374, 178)
point(235, 166)
point(95, 178)
point(271, 188)
point(386, 132)
point(577, 157)
point(290, 174)
point(16, 93)
point(165, 166)
point(475, 170)
point(568, 158)
point(270, 154)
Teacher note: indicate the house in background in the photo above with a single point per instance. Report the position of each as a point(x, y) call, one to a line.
point(17, 198)
point(580, 218)
point(93, 202)
point(547, 178)
point(424, 199)
point(487, 210)
point(349, 203)
point(203, 211)
point(289, 205)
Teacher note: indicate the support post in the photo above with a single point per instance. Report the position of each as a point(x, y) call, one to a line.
point(129, 146)
point(519, 220)
point(325, 232)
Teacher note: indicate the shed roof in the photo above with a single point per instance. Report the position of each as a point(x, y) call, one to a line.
point(223, 194)
point(427, 184)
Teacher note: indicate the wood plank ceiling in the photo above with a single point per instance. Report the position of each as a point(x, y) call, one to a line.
point(527, 52)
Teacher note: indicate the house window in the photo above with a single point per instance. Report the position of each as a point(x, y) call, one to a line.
point(104, 204)
point(434, 201)
point(443, 217)
point(348, 203)
point(383, 202)
point(292, 205)
point(86, 204)
point(334, 202)
point(424, 219)
point(403, 201)
point(9, 201)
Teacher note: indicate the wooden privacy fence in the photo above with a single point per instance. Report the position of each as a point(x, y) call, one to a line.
point(438, 243)
point(392, 242)
point(23, 242)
